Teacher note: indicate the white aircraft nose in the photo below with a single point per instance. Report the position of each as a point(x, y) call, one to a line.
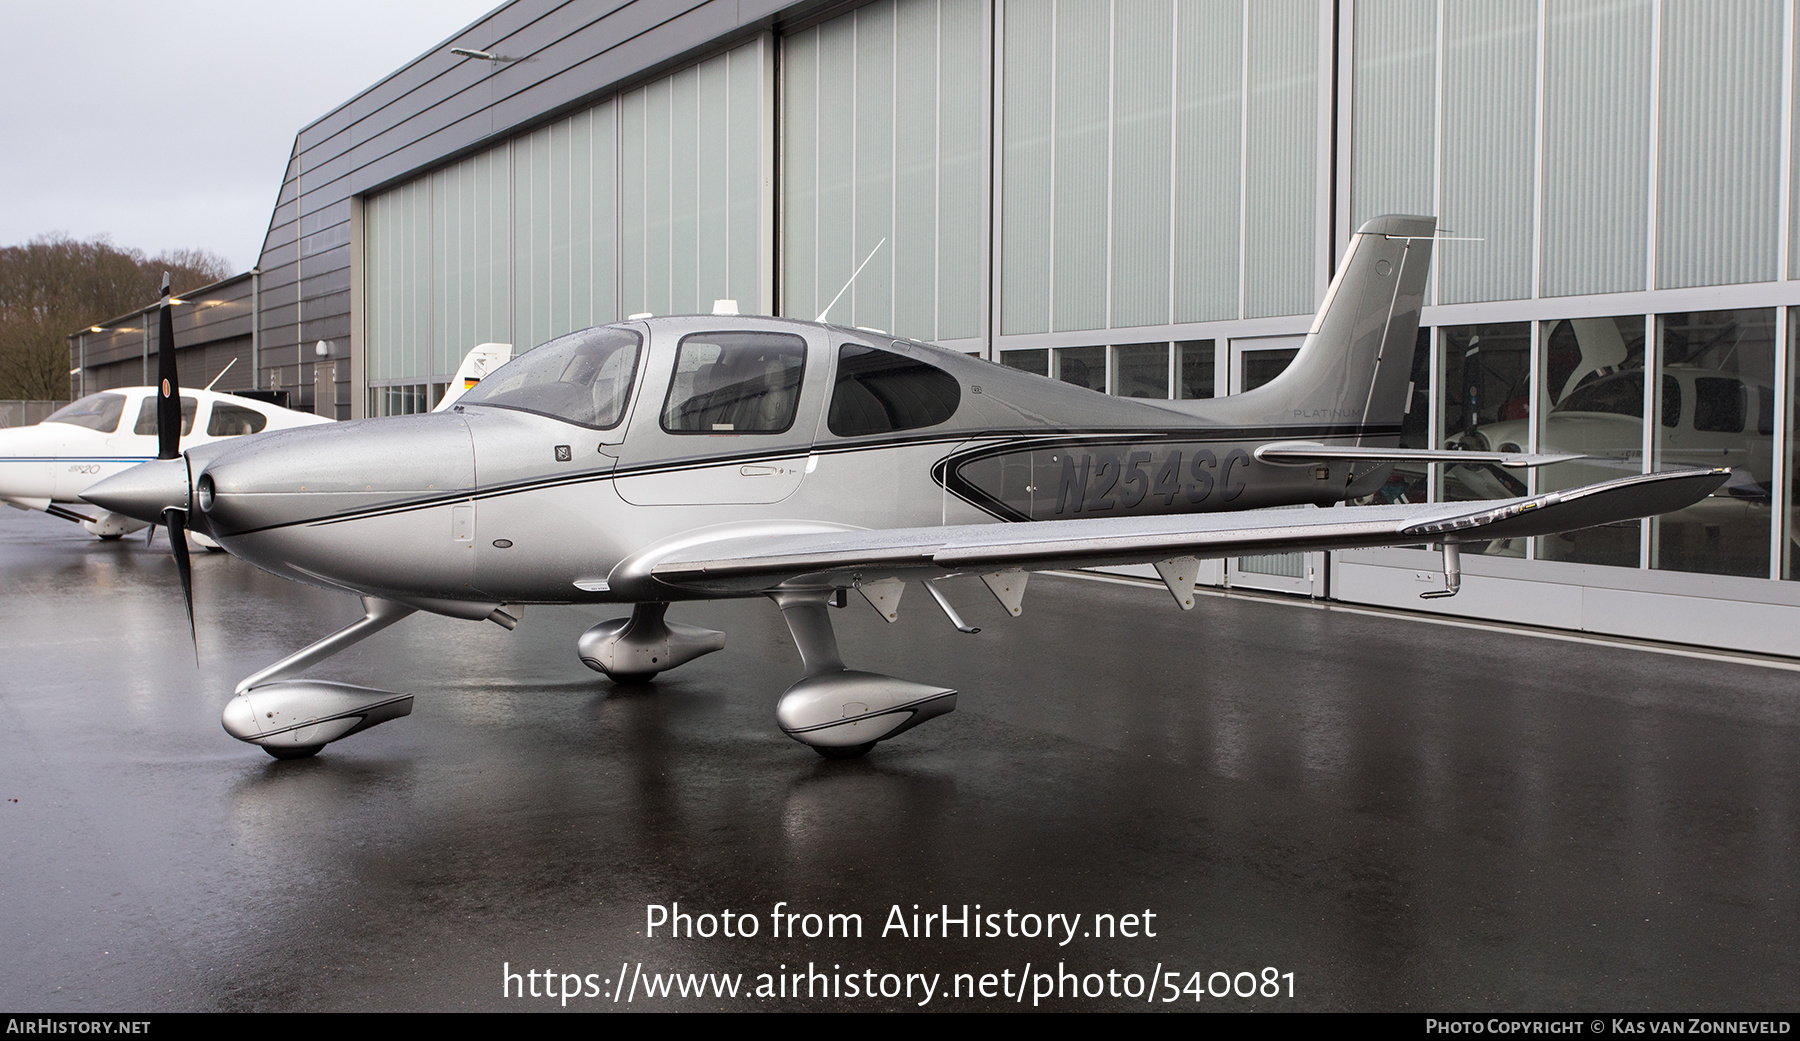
point(144, 492)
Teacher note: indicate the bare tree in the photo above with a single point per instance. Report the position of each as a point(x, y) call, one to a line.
point(54, 285)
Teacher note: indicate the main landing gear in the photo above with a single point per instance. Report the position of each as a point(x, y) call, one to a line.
point(839, 712)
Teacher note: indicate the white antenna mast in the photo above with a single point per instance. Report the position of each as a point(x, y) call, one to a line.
point(222, 373)
point(848, 284)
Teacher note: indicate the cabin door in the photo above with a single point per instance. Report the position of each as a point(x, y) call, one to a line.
point(724, 417)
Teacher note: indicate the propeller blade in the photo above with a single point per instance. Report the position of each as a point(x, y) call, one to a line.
point(150, 535)
point(168, 386)
point(176, 521)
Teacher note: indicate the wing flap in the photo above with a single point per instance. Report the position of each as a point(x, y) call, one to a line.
point(736, 565)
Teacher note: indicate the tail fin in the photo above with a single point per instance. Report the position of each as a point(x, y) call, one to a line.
point(482, 359)
point(1357, 359)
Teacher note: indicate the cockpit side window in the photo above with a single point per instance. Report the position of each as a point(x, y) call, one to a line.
point(96, 412)
point(146, 420)
point(879, 391)
point(735, 383)
point(582, 378)
point(234, 420)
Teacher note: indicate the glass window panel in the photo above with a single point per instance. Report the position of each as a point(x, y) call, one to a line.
point(1411, 482)
point(584, 377)
point(878, 391)
point(1195, 371)
point(233, 420)
point(1036, 362)
point(1790, 526)
point(1591, 403)
point(1485, 403)
point(1141, 370)
point(1721, 362)
point(735, 383)
point(1082, 366)
point(101, 412)
point(1260, 367)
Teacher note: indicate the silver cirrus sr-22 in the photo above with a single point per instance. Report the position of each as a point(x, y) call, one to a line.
point(683, 458)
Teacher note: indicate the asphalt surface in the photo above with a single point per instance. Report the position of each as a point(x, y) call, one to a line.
point(1404, 816)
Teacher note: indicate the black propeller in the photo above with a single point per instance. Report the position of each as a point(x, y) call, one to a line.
point(168, 446)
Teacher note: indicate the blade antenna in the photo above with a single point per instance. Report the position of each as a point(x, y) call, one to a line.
point(847, 285)
point(221, 374)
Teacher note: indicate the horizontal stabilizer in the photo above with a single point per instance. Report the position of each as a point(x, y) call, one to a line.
point(754, 563)
point(1301, 453)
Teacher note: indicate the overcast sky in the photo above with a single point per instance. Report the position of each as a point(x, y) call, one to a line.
point(168, 125)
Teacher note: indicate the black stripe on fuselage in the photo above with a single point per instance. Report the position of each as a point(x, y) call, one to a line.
point(1018, 440)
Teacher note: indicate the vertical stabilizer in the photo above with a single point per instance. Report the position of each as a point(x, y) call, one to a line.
point(1353, 369)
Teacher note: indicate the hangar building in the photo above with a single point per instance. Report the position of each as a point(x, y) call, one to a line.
point(1146, 197)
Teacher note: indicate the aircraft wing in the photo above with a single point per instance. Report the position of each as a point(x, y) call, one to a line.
point(735, 565)
point(1303, 453)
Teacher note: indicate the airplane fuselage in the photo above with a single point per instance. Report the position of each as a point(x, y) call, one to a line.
point(492, 504)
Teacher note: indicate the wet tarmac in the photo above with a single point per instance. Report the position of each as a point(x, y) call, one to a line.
point(1403, 816)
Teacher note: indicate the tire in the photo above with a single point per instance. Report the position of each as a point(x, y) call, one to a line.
point(631, 678)
point(837, 752)
point(303, 752)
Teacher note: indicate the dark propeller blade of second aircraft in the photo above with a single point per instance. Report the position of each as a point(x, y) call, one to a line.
point(168, 387)
point(168, 446)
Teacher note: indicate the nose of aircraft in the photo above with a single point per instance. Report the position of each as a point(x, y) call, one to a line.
point(144, 492)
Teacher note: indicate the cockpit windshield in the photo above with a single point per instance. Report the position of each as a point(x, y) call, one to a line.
point(583, 378)
point(96, 412)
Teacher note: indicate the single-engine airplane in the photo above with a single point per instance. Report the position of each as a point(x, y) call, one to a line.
point(48, 465)
point(667, 459)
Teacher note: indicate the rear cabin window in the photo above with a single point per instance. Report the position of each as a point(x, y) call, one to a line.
point(96, 412)
point(233, 420)
point(878, 392)
point(735, 383)
point(146, 420)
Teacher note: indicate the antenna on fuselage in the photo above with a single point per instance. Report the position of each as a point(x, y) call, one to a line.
point(847, 285)
point(222, 373)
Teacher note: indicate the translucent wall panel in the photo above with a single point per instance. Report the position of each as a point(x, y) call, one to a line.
point(1079, 124)
point(1122, 161)
point(1142, 147)
point(1488, 153)
point(1596, 146)
point(1209, 114)
point(397, 230)
point(1393, 108)
point(1718, 142)
point(882, 130)
point(1281, 252)
point(1027, 153)
point(691, 188)
point(469, 260)
point(563, 235)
